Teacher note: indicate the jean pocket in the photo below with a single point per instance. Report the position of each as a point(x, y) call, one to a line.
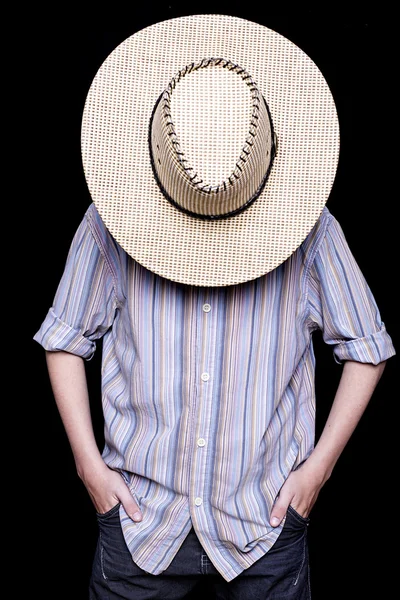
point(116, 562)
point(293, 512)
point(286, 563)
point(110, 513)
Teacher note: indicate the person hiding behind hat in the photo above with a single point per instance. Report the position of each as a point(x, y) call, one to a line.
point(205, 263)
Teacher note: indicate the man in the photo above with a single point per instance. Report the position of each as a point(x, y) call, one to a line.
point(205, 263)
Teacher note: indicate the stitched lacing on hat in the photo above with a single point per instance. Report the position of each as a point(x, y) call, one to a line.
point(166, 107)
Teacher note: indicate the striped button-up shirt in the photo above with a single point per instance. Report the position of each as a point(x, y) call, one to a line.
point(208, 393)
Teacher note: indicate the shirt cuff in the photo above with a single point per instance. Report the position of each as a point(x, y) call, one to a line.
point(374, 348)
point(55, 335)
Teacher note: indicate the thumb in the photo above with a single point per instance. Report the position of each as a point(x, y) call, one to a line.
point(130, 506)
point(279, 510)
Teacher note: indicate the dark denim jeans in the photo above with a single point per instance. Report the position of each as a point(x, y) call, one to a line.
point(282, 573)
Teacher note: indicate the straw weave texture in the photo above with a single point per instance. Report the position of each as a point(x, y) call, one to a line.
point(118, 169)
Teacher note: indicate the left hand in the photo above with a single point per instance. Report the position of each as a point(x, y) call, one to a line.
point(300, 490)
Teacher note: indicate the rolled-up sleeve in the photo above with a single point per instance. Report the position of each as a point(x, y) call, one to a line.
point(341, 304)
point(84, 305)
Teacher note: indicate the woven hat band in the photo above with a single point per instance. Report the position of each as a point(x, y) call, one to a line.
point(211, 139)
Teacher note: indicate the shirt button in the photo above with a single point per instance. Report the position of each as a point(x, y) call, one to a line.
point(205, 376)
point(198, 501)
point(201, 442)
point(206, 307)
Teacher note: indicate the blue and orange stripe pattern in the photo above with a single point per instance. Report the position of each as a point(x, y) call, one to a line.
point(208, 393)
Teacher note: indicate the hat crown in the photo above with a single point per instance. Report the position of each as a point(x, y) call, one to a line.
point(211, 111)
point(214, 109)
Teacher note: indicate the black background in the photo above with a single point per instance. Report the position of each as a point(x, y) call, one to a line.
point(353, 521)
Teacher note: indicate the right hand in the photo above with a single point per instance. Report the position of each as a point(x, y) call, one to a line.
point(106, 488)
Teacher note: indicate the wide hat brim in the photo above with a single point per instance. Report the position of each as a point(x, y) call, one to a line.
point(118, 171)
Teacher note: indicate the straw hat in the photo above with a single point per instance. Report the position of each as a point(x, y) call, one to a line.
point(210, 145)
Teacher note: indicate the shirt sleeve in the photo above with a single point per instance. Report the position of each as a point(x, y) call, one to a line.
point(85, 303)
point(341, 304)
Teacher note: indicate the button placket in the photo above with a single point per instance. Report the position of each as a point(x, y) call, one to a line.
point(205, 329)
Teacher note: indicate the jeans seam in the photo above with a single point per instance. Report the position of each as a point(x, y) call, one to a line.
point(204, 564)
point(302, 562)
point(102, 558)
